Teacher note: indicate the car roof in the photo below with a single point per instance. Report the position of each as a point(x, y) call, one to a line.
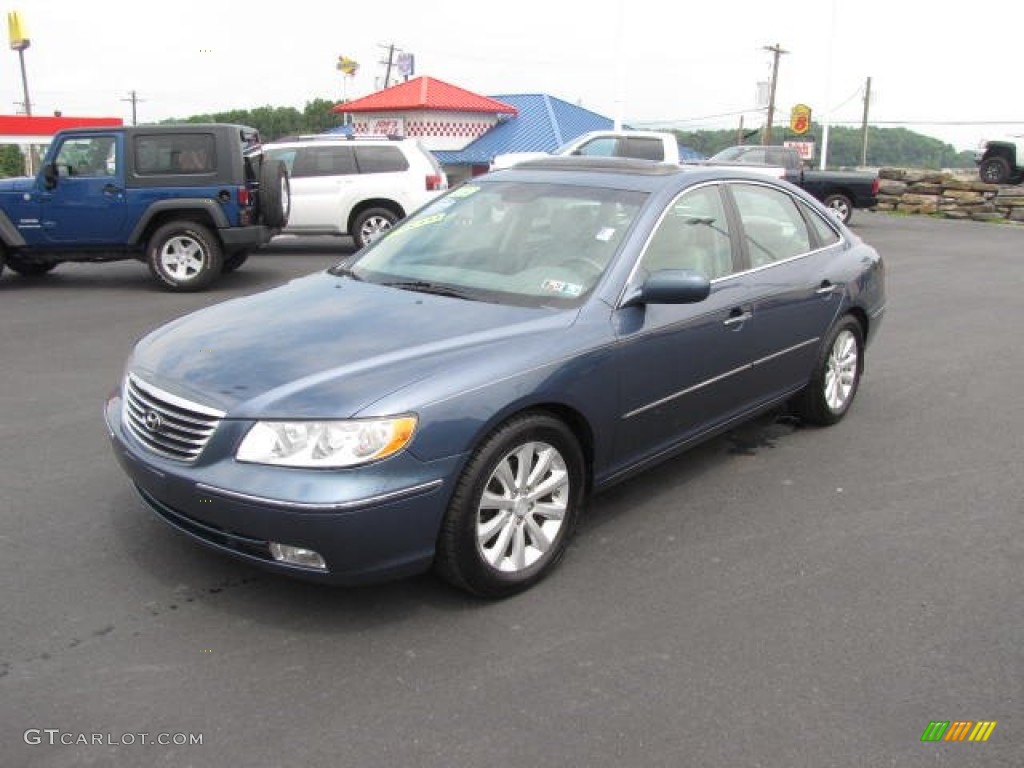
point(628, 173)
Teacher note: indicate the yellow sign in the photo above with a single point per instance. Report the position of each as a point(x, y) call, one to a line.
point(347, 66)
point(800, 119)
point(17, 31)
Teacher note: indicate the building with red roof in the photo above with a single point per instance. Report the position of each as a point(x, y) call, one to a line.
point(441, 115)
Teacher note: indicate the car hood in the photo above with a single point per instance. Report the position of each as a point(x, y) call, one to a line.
point(327, 346)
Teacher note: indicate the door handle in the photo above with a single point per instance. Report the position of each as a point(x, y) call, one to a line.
point(111, 189)
point(737, 317)
point(827, 288)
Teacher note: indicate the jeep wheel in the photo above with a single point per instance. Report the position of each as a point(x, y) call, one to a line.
point(234, 261)
point(371, 224)
point(184, 256)
point(29, 268)
point(275, 194)
point(994, 170)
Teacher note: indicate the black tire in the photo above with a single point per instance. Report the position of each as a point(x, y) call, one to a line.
point(836, 377)
point(184, 256)
point(493, 553)
point(840, 205)
point(994, 170)
point(275, 194)
point(234, 261)
point(371, 224)
point(28, 268)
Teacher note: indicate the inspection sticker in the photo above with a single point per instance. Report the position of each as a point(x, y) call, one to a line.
point(562, 287)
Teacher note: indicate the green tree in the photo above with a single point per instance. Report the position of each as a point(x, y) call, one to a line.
point(12, 161)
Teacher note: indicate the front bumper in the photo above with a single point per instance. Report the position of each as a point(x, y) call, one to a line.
point(370, 523)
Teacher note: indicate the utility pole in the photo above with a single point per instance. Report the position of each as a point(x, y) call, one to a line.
point(388, 63)
point(133, 97)
point(864, 125)
point(739, 132)
point(777, 51)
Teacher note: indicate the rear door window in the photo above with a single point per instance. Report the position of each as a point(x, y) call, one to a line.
point(381, 160)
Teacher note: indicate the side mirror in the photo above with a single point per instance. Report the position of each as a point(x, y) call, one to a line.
point(50, 175)
point(671, 286)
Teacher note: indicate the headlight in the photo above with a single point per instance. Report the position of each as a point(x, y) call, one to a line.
point(325, 444)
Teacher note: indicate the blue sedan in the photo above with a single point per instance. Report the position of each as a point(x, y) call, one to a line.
point(449, 396)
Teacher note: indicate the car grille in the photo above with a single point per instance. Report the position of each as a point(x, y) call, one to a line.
point(166, 424)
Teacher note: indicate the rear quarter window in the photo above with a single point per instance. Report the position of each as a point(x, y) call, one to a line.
point(172, 154)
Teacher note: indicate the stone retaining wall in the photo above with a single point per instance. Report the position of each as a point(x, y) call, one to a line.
point(942, 194)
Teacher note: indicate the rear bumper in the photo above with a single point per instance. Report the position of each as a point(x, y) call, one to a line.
point(235, 238)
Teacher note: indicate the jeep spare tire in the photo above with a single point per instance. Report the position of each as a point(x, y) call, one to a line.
point(275, 193)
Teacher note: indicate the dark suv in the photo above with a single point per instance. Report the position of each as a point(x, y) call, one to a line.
point(189, 200)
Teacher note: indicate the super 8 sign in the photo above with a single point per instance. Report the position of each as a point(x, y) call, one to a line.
point(800, 119)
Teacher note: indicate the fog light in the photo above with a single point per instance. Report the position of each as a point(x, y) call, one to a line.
point(307, 558)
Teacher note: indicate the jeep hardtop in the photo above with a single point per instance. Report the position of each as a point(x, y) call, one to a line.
point(189, 200)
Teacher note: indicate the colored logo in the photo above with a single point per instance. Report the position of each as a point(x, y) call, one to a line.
point(800, 119)
point(153, 421)
point(958, 730)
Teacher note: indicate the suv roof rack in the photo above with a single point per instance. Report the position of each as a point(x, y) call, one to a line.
point(341, 137)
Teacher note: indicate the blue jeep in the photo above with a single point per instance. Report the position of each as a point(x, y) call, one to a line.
point(189, 200)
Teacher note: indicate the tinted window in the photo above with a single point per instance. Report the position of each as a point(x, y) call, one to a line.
point(324, 161)
point(694, 234)
point(381, 160)
point(824, 231)
point(643, 149)
point(175, 153)
point(287, 156)
point(773, 228)
point(603, 147)
point(88, 156)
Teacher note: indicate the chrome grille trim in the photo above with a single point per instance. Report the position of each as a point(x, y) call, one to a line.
point(184, 427)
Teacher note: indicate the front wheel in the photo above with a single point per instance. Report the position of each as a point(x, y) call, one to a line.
point(514, 508)
point(836, 376)
point(184, 256)
point(841, 206)
point(994, 170)
point(371, 224)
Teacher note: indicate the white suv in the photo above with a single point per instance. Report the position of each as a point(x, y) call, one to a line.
point(358, 185)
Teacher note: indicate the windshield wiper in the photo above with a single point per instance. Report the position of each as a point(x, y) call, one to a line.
point(423, 286)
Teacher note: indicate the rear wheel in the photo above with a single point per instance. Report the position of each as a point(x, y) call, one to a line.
point(184, 256)
point(28, 267)
point(514, 508)
point(833, 385)
point(841, 206)
point(994, 170)
point(371, 224)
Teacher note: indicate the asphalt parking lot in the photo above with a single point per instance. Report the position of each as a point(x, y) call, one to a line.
point(781, 596)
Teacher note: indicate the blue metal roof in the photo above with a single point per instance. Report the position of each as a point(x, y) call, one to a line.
point(543, 124)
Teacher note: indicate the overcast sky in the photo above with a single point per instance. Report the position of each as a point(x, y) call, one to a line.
point(696, 64)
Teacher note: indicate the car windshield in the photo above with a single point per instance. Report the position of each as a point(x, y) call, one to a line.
point(532, 244)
